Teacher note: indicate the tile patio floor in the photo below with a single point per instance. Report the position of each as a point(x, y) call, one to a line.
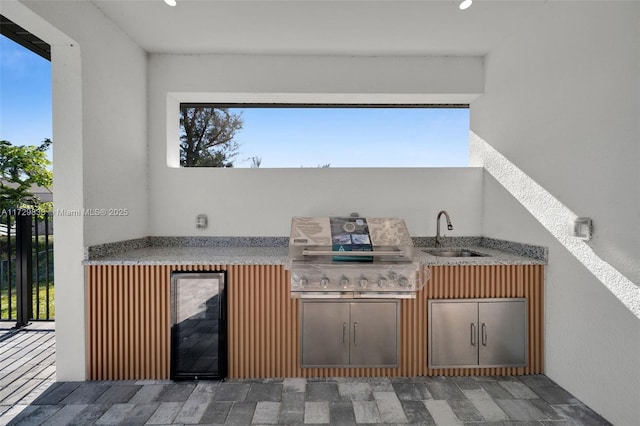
point(524, 400)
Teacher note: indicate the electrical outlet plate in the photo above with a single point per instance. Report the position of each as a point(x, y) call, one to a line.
point(201, 221)
point(582, 227)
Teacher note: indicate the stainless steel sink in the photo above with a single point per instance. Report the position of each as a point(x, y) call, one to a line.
point(453, 253)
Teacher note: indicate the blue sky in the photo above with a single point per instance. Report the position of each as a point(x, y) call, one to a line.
point(355, 137)
point(25, 95)
point(281, 137)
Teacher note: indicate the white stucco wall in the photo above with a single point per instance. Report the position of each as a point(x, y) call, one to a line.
point(99, 150)
point(114, 119)
point(253, 202)
point(562, 102)
point(261, 202)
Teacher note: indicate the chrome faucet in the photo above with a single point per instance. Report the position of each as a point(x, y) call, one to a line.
point(449, 226)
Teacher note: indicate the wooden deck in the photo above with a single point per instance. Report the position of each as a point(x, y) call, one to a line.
point(27, 364)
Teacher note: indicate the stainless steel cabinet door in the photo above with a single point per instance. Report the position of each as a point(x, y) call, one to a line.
point(453, 339)
point(325, 334)
point(502, 328)
point(374, 334)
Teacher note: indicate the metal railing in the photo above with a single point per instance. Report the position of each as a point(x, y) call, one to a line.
point(26, 267)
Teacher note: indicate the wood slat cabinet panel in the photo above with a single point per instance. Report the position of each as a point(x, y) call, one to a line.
point(128, 320)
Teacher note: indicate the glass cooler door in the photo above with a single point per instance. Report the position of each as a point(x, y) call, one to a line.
point(198, 332)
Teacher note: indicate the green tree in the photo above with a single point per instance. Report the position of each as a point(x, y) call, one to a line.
point(207, 136)
point(21, 168)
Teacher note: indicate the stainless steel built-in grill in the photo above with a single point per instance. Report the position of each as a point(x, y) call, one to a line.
point(352, 257)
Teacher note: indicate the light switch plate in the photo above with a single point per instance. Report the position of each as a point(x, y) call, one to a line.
point(582, 227)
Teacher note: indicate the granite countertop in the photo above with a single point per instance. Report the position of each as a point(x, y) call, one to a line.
point(178, 252)
point(195, 256)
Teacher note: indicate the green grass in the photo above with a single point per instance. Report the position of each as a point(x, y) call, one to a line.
point(4, 303)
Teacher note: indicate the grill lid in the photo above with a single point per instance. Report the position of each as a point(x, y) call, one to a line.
point(352, 257)
point(349, 238)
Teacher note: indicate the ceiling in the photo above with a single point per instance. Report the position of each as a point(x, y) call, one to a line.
point(320, 27)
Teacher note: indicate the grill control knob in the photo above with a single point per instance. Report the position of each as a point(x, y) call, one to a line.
point(382, 282)
point(303, 282)
point(364, 282)
point(324, 282)
point(403, 281)
point(344, 282)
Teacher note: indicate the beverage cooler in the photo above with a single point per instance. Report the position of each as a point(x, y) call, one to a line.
point(198, 330)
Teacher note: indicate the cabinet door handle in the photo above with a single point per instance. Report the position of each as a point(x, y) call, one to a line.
point(484, 334)
point(355, 329)
point(473, 334)
point(344, 333)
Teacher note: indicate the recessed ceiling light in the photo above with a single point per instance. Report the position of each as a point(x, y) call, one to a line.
point(170, 2)
point(464, 5)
